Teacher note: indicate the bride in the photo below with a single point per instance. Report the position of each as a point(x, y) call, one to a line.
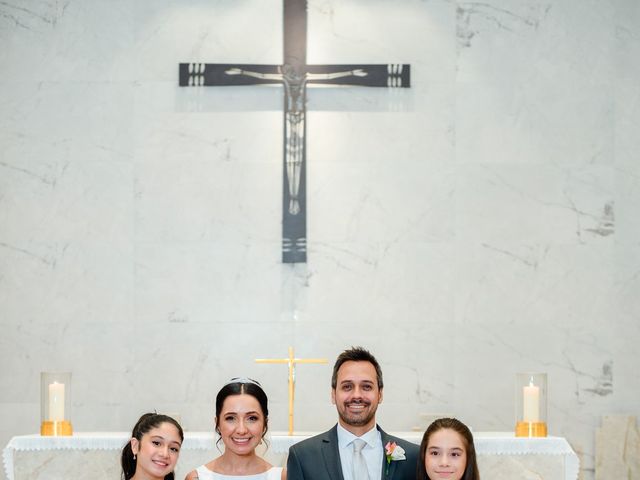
point(241, 422)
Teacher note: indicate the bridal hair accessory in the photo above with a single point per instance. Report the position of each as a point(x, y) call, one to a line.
point(243, 380)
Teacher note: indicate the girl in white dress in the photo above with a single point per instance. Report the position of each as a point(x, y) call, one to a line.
point(241, 423)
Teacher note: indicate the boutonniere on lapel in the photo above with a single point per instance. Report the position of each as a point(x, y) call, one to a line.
point(393, 452)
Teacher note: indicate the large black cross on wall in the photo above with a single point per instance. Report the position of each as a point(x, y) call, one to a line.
point(294, 74)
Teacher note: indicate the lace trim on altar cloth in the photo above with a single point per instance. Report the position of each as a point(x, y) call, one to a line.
point(79, 441)
point(7, 461)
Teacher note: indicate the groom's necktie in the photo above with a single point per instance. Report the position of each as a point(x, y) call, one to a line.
point(360, 471)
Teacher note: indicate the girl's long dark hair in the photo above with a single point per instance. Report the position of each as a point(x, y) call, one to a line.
point(145, 423)
point(471, 469)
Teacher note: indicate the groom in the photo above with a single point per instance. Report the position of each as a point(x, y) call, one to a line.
point(356, 448)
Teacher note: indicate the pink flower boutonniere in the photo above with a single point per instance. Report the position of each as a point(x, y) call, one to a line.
point(393, 452)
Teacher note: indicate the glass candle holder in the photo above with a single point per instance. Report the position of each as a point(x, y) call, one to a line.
point(531, 405)
point(55, 404)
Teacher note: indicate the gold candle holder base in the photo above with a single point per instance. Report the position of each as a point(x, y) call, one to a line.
point(531, 429)
point(56, 429)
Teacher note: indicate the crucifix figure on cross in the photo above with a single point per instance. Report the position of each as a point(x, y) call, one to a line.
point(291, 362)
point(294, 74)
point(294, 86)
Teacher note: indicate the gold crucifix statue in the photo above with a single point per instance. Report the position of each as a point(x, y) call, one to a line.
point(291, 361)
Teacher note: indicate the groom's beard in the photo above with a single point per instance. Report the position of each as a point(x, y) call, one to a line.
point(357, 413)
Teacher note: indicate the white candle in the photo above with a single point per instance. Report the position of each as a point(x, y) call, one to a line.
point(56, 402)
point(531, 403)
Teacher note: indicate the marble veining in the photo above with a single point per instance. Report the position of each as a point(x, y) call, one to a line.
point(508, 19)
point(32, 16)
point(617, 448)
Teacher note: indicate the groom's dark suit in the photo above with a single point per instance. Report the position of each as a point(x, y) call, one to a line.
point(318, 458)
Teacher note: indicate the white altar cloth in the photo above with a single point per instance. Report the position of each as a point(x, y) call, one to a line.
point(487, 444)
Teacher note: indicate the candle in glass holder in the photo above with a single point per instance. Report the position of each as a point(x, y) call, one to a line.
point(531, 402)
point(56, 402)
point(531, 405)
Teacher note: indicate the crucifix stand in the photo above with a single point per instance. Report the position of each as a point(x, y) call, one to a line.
point(291, 361)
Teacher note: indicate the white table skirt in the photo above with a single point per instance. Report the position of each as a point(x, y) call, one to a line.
point(487, 444)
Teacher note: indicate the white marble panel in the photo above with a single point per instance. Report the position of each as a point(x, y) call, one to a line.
point(67, 283)
point(517, 90)
point(64, 198)
point(360, 31)
point(169, 32)
point(360, 190)
point(73, 41)
point(582, 359)
point(499, 284)
point(627, 328)
point(56, 345)
point(215, 351)
point(66, 118)
point(627, 122)
point(499, 204)
point(207, 282)
point(530, 43)
point(627, 259)
point(626, 38)
point(626, 282)
point(378, 283)
point(546, 122)
point(197, 173)
point(626, 197)
point(199, 198)
point(617, 448)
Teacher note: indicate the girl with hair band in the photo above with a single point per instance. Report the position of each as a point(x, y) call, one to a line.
point(241, 422)
point(447, 452)
point(152, 452)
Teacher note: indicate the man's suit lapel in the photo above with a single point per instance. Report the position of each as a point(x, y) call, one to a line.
point(331, 455)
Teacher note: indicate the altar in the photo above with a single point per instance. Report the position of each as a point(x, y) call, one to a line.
point(501, 456)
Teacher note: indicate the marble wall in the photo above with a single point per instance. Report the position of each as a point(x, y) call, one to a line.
point(482, 223)
point(618, 448)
